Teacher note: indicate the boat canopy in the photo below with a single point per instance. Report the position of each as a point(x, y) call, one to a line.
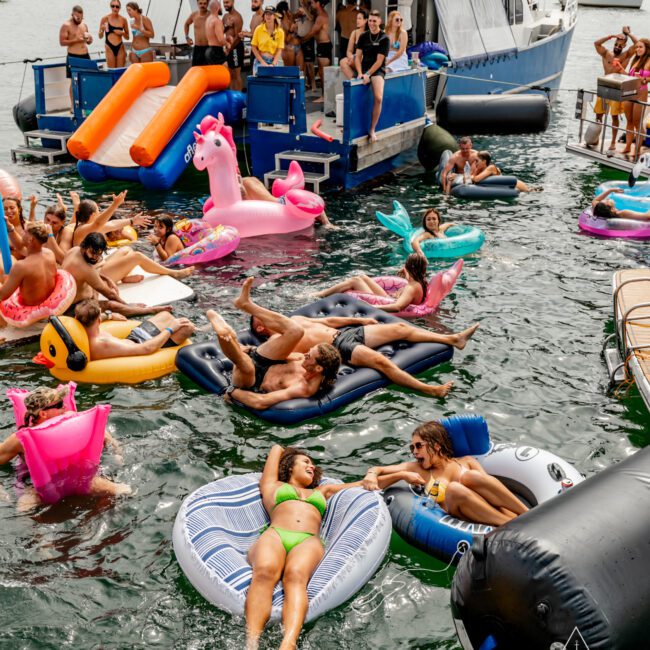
point(475, 29)
point(168, 17)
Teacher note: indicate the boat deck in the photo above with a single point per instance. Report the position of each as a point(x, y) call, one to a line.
point(631, 289)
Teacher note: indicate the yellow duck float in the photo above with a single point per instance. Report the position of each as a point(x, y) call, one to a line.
point(65, 351)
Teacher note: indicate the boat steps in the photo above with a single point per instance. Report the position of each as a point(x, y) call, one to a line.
point(38, 151)
point(309, 157)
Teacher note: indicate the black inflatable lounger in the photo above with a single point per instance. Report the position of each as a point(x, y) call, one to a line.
point(205, 364)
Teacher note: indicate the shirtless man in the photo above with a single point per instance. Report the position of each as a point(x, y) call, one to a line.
point(346, 21)
point(321, 32)
point(356, 340)
point(613, 61)
point(457, 164)
point(35, 275)
point(200, 41)
point(81, 262)
point(76, 38)
point(256, 20)
point(216, 52)
point(160, 331)
point(272, 372)
point(233, 23)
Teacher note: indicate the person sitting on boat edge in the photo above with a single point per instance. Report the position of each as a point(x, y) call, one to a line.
point(160, 331)
point(433, 229)
point(483, 168)
point(605, 208)
point(347, 60)
point(459, 485)
point(43, 404)
point(290, 547)
point(372, 49)
point(414, 293)
point(454, 171)
point(165, 242)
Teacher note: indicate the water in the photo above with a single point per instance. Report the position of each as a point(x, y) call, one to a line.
point(97, 574)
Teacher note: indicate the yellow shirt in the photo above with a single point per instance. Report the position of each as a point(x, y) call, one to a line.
point(266, 43)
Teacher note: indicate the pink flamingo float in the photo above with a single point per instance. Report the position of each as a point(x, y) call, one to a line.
point(215, 151)
point(439, 286)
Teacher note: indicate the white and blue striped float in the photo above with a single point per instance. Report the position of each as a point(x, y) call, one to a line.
point(219, 522)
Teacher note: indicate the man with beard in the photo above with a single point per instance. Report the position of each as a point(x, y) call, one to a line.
point(233, 23)
point(75, 37)
point(256, 20)
point(200, 42)
point(614, 61)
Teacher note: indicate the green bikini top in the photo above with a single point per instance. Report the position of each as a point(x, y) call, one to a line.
point(286, 492)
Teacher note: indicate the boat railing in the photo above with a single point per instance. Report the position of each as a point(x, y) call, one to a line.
point(622, 322)
point(583, 101)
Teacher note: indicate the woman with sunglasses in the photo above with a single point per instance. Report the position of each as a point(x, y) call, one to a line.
point(116, 29)
point(397, 58)
point(41, 405)
point(459, 485)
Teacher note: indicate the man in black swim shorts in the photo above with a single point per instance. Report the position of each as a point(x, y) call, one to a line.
point(233, 24)
point(320, 32)
point(75, 37)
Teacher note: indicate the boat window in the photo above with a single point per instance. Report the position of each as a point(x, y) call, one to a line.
point(474, 29)
point(515, 11)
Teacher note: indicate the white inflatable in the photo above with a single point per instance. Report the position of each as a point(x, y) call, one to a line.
point(219, 522)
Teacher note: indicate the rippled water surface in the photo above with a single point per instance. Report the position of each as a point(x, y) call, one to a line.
point(101, 574)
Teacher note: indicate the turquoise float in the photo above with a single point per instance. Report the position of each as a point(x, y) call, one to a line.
point(458, 241)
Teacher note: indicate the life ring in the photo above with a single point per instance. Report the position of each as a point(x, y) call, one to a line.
point(9, 186)
point(217, 243)
point(532, 474)
point(20, 315)
point(126, 241)
point(218, 523)
point(316, 130)
point(65, 352)
point(613, 227)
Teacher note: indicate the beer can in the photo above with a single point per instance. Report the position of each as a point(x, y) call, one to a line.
point(566, 484)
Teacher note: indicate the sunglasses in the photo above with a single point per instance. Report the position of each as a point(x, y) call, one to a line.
point(398, 20)
point(116, 6)
point(58, 405)
point(417, 445)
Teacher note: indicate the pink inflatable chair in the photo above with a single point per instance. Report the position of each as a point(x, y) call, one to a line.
point(215, 151)
point(18, 395)
point(439, 286)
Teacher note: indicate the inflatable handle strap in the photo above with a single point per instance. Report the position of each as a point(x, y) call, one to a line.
point(469, 434)
point(4, 242)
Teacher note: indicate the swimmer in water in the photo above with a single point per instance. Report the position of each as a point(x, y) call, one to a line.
point(433, 229)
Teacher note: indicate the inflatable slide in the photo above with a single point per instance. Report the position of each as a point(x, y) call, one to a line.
point(142, 131)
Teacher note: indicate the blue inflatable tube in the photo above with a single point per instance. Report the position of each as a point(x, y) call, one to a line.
point(178, 153)
point(635, 198)
point(5, 249)
point(205, 364)
point(458, 241)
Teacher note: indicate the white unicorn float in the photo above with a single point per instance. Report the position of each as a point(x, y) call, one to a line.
point(215, 151)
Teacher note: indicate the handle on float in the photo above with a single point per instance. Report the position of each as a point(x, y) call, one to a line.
point(315, 129)
point(4, 242)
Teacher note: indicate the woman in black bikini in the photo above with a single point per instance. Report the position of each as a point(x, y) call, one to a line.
point(116, 29)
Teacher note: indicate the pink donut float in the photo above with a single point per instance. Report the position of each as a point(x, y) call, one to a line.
point(16, 313)
point(439, 286)
point(62, 454)
point(296, 210)
point(217, 243)
point(613, 227)
point(17, 397)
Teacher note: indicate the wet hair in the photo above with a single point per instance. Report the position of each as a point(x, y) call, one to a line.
point(416, 265)
point(38, 230)
point(87, 312)
point(639, 62)
point(424, 219)
point(604, 210)
point(135, 6)
point(465, 140)
point(329, 360)
point(19, 204)
point(434, 433)
point(56, 211)
point(85, 210)
point(287, 461)
point(485, 156)
point(166, 222)
point(94, 241)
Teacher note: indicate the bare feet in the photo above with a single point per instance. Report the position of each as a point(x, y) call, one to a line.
point(462, 337)
point(182, 273)
point(219, 325)
point(440, 391)
point(132, 279)
point(158, 308)
point(244, 298)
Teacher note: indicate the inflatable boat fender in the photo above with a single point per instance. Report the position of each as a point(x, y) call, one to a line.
point(433, 142)
point(578, 561)
point(25, 114)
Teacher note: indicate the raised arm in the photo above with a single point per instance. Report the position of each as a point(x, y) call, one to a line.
point(271, 467)
point(371, 479)
point(98, 223)
point(600, 43)
point(605, 194)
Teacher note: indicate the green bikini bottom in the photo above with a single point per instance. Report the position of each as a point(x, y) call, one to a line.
point(290, 538)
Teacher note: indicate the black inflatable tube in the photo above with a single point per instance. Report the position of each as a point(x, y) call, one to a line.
point(578, 561)
point(25, 114)
point(493, 114)
point(488, 190)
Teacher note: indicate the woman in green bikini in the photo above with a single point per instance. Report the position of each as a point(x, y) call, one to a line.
point(290, 548)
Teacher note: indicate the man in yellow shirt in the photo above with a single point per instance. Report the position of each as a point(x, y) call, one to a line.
point(268, 40)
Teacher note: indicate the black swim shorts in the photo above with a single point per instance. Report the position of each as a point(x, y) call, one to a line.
point(262, 365)
point(235, 57)
point(324, 51)
point(198, 55)
point(308, 51)
point(214, 55)
point(347, 339)
point(70, 59)
point(145, 331)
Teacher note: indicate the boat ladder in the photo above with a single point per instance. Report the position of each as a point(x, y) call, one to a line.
point(311, 159)
point(39, 151)
point(617, 356)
